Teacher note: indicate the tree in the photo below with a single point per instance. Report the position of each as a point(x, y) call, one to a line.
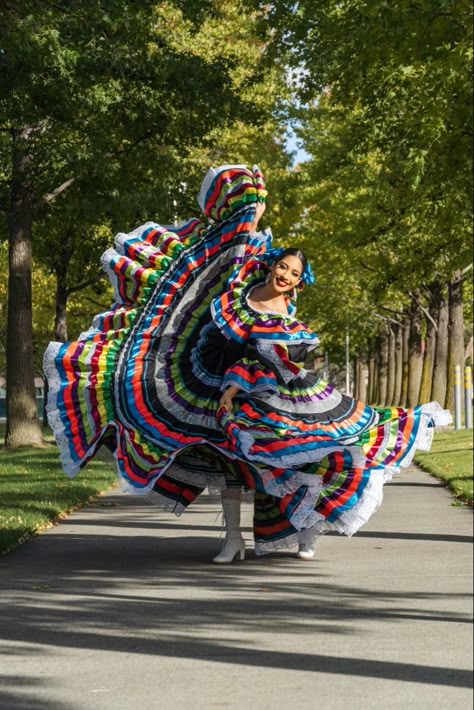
point(94, 94)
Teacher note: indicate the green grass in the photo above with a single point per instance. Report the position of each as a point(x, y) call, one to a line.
point(450, 459)
point(35, 492)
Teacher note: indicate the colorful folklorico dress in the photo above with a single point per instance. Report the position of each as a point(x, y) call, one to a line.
point(147, 377)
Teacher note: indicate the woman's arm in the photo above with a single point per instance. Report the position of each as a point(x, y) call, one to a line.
point(259, 210)
point(227, 397)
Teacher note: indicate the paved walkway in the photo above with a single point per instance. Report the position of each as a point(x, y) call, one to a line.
point(119, 608)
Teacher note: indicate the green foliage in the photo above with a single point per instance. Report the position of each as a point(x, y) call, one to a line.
point(383, 101)
point(111, 91)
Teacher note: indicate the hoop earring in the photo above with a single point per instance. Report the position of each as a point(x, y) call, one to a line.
point(268, 277)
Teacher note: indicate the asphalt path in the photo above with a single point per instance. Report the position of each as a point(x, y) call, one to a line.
point(119, 607)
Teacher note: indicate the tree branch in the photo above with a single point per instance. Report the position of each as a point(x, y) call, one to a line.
point(85, 284)
point(425, 310)
point(102, 306)
point(392, 310)
point(55, 193)
point(464, 274)
point(51, 196)
point(387, 318)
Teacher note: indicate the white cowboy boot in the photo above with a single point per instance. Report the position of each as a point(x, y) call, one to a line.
point(305, 552)
point(234, 544)
point(305, 549)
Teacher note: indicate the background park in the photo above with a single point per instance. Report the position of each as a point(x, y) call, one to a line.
point(359, 115)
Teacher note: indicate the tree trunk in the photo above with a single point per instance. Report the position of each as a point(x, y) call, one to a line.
point(383, 370)
point(23, 426)
point(455, 335)
point(397, 390)
point(415, 353)
point(61, 268)
point(468, 352)
point(62, 293)
point(361, 378)
point(355, 381)
point(375, 392)
point(371, 383)
point(391, 368)
point(405, 351)
point(440, 368)
point(429, 354)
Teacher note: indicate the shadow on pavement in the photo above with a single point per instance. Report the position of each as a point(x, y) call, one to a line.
point(158, 594)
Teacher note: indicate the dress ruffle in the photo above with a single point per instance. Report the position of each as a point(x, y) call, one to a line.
point(228, 188)
point(238, 321)
point(124, 381)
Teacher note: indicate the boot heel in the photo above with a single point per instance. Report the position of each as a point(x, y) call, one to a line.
point(234, 542)
point(234, 548)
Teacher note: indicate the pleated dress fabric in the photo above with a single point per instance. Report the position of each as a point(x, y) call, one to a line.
point(146, 380)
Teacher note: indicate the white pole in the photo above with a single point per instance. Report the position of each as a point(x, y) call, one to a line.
point(457, 397)
point(468, 397)
point(348, 365)
point(326, 367)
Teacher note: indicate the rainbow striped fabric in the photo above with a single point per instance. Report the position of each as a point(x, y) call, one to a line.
point(147, 377)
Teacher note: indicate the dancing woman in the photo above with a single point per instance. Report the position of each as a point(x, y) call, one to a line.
point(285, 276)
point(196, 377)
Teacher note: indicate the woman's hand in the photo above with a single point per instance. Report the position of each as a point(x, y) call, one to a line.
point(259, 210)
point(227, 397)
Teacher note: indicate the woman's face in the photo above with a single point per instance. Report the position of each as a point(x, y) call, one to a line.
point(286, 273)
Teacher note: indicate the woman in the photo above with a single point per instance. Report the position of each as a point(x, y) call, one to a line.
point(196, 377)
point(284, 277)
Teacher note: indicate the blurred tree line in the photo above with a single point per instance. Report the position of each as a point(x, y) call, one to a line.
point(383, 105)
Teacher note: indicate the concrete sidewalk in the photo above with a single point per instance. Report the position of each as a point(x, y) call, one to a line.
point(118, 607)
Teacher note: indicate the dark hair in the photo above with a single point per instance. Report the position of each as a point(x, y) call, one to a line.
point(292, 251)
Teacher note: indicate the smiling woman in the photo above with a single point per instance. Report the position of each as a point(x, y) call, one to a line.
point(289, 270)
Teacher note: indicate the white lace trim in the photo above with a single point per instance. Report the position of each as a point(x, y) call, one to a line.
point(200, 479)
point(122, 237)
point(287, 543)
point(349, 522)
point(54, 419)
point(305, 537)
point(105, 259)
point(440, 416)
